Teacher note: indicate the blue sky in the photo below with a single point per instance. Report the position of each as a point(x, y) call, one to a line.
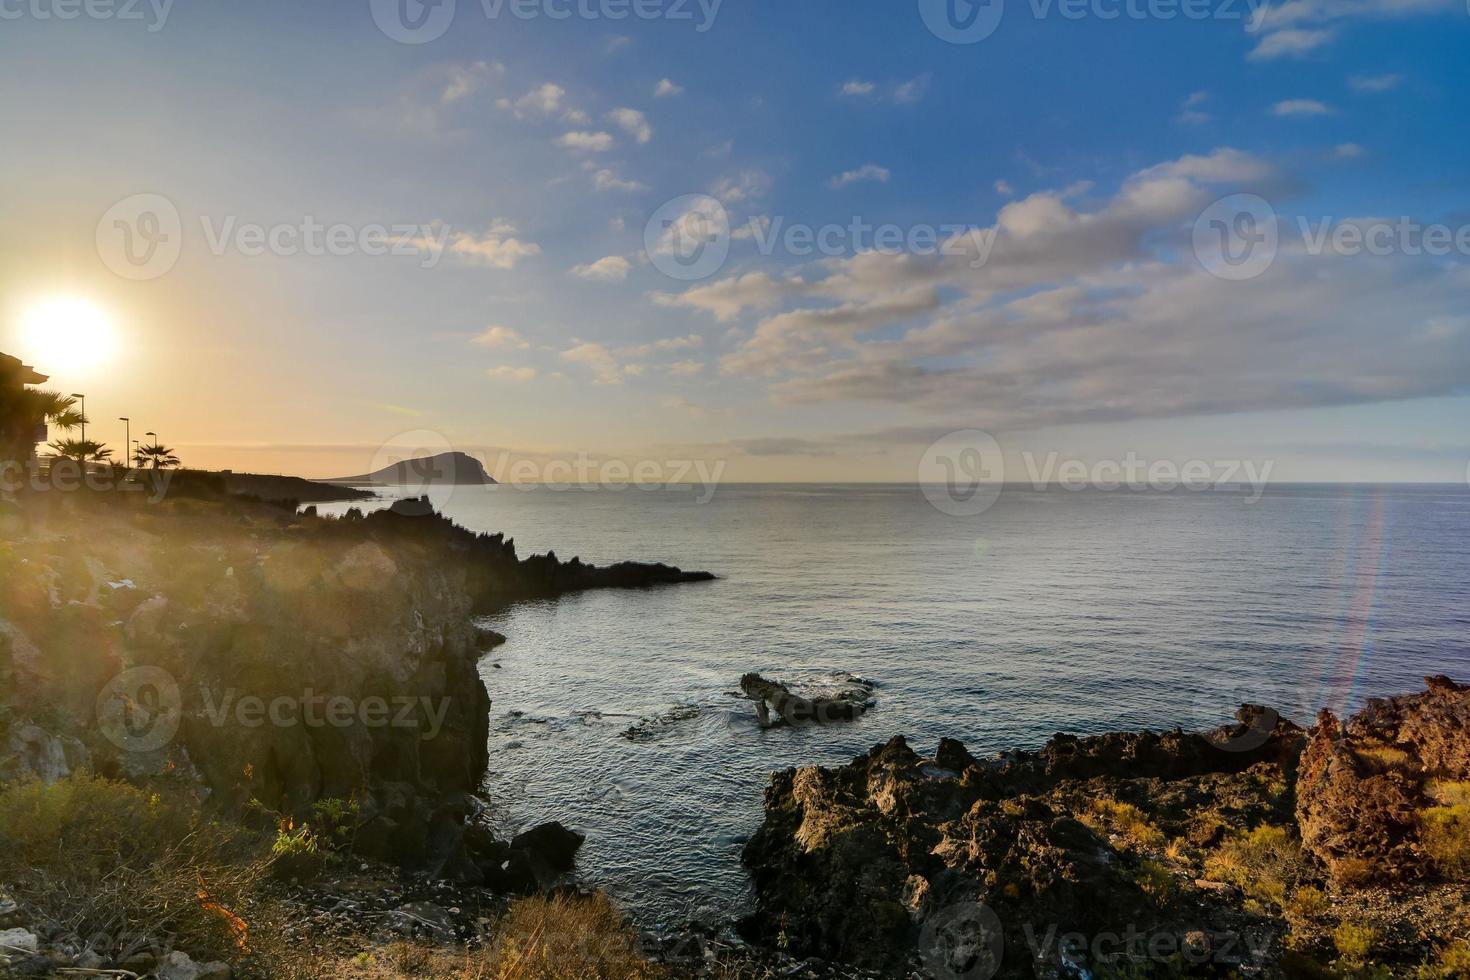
point(1079, 152)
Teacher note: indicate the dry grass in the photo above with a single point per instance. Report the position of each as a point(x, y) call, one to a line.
point(564, 938)
point(111, 864)
point(1265, 863)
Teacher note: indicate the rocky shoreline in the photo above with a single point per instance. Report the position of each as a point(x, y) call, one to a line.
point(1258, 849)
point(195, 652)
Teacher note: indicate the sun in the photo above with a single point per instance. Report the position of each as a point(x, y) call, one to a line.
point(68, 335)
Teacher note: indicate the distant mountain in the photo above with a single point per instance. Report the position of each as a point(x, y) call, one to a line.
point(446, 469)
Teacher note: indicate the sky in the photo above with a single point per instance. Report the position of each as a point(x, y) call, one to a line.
point(805, 240)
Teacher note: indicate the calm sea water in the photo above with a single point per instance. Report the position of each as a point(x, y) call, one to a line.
point(1053, 611)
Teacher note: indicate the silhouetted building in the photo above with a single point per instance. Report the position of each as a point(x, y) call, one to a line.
point(22, 422)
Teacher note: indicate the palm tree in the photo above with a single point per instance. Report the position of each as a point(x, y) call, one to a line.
point(159, 456)
point(82, 450)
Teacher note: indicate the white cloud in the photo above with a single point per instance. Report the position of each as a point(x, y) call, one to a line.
point(898, 93)
point(870, 171)
point(608, 180)
point(466, 80)
point(1348, 151)
point(544, 100)
point(685, 369)
point(1190, 113)
point(1004, 188)
point(498, 248)
point(598, 359)
point(1374, 83)
point(1300, 107)
point(745, 186)
point(584, 142)
point(726, 299)
point(633, 122)
point(1289, 43)
point(613, 268)
point(1096, 313)
point(497, 337)
point(518, 375)
point(912, 91)
point(667, 89)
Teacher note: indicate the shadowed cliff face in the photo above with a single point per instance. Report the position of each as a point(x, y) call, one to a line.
point(248, 654)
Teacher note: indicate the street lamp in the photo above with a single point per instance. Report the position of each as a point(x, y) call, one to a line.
point(83, 400)
point(154, 435)
point(127, 436)
point(137, 448)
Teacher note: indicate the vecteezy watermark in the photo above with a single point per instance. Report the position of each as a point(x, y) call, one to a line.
point(1240, 237)
point(690, 238)
point(584, 471)
point(859, 235)
point(152, 13)
point(422, 21)
point(972, 21)
point(311, 709)
point(1133, 472)
point(962, 473)
point(1237, 237)
point(66, 475)
point(142, 237)
point(141, 709)
point(963, 941)
point(1132, 947)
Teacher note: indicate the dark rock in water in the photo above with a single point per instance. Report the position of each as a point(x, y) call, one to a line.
point(771, 696)
point(552, 843)
point(533, 861)
point(488, 639)
point(1366, 786)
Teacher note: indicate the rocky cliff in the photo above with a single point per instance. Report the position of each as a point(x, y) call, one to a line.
point(251, 656)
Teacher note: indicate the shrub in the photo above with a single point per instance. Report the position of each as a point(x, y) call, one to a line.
point(1264, 863)
point(1452, 963)
point(1127, 819)
point(90, 857)
point(1354, 942)
point(1444, 834)
point(1154, 880)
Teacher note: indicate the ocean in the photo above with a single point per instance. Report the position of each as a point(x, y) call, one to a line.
point(1055, 610)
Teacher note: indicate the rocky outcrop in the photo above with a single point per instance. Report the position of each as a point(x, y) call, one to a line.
point(1367, 785)
point(494, 575)
point(955, 866)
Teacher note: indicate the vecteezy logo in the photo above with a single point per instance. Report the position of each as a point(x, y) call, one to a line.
point(413, 21)
point(963, 21)
point(139, 709)
point(140, 237)
point(963, 472)
point(1237, 237)
point(962, 942)
point(689, 237)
